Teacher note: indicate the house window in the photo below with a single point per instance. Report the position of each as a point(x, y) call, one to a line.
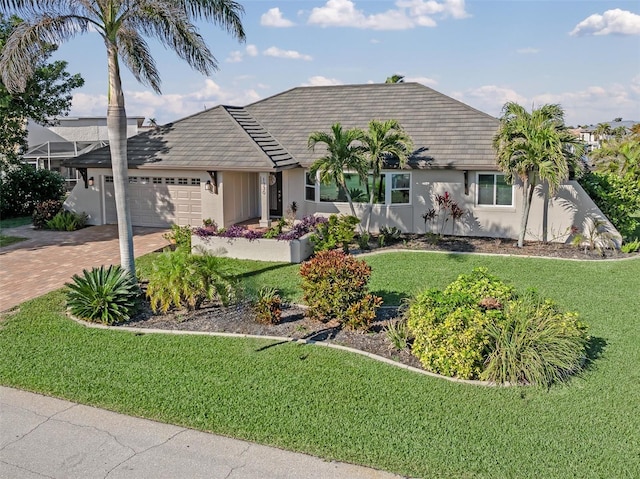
point(169, 181)
point(133, 179)
point(183, 181)
point(494, 190)
point(144, 180)
point(388, 188)
point(195, 181)
point(309, 188)
point(400, 188)
point(108, 179)
point(156, 180)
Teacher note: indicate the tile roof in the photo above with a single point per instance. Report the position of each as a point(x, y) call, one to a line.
point(272, 133)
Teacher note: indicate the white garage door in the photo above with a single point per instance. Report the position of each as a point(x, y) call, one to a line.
point(158, 201)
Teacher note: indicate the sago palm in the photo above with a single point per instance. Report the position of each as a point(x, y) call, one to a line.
point(384, 139)
point(535, 147)
point(344, 153)
point(124, 26)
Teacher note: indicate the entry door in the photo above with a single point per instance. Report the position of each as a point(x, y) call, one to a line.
point(275, 194)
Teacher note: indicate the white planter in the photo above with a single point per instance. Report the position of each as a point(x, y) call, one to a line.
point(295, 251)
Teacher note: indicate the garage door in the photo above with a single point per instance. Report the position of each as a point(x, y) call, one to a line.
point(158, 201)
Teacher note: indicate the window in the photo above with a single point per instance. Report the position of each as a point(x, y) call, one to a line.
point(494, 190)
point(156, 180)
point(309, 187)
point(108, 179)
point(144, 180)
point(169, 181)
point(195, 181)
point(388, 188)
point(133, 179)
point(400, 188)
point(183, 181)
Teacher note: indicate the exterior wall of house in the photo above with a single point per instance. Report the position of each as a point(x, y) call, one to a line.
point(293, 190)
point(240, 193)
point(571, 206)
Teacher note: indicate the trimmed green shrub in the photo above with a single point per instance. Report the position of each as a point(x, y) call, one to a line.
point(23, 187)
point(335, 288)
point(268, 306)
point(179, 278)
point(104, 295)
point(180, 236)
point(45, 211)
point(631, 246)
point(535, 343)
point(338, 232)
point(480, 327)
point(389, 235)
point(618, 198)
point(67, 221)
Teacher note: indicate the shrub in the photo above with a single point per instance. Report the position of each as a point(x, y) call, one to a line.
point(67, 221)
point(388, 235)
point(631, 246)
point(180, 236)
point(23, 187)
point(535, 343)
point(335, 287)
point(45, 211)
point(105, 295)
point(267, 306)
point(618, 197)
point(398, 334)
point(337, 232)
point(479, 327)
point(179, 278)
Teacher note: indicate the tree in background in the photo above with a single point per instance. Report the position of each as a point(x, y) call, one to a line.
point(47, 95)
point(395, 79)
point(123, 25)
point(535, 147)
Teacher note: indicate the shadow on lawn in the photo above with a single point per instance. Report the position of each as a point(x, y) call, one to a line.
point(594, 350)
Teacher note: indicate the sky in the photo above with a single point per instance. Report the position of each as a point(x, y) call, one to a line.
point(582, 54)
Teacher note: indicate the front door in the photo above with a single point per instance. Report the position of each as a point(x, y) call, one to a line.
point(275, 194)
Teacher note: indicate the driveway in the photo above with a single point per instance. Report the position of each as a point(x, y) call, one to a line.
point(48, 259)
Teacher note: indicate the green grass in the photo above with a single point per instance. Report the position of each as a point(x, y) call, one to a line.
point(7, 240)
point(13, 222)
point(346, 407)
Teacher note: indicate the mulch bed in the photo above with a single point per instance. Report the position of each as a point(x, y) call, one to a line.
point(240, 318)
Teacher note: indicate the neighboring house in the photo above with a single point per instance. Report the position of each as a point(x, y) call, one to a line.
point(231, 164)
point(49, 146)
point(589, 134)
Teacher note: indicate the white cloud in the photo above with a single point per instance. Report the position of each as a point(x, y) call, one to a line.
point(489, 98)
point(527, 51)
point(168, 107)
point(321, 81)
point(374, 41)
point(424, 80)
point(290, 54)
point(621, 22)
point(407, 14)
point(237, 56)
point(274, 18)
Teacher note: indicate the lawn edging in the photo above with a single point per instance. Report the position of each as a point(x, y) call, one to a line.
point(284, 339)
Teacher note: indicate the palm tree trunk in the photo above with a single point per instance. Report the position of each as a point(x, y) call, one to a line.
point(353, 210)
point(528, 188)
point(369, 210)
point(117, 133)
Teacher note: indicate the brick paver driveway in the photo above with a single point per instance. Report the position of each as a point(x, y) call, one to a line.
point(48, 259)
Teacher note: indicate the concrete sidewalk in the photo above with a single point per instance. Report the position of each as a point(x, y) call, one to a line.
point(47, 437)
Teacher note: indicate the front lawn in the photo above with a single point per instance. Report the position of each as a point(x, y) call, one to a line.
point(14, 222)
point(8, 240)
point(346, 407)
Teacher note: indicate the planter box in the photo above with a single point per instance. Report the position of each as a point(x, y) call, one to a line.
point(262, 249)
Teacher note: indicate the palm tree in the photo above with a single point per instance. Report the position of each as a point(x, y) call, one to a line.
point(395, 78)
point(382, 140)
point(620, 156)
point(123, 25)
point(344, 153)
point(535, 147)
point(602, 132)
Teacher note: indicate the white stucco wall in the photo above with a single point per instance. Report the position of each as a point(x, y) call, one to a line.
point(240, 197)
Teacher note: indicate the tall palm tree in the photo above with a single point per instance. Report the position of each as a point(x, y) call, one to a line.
point(535, 147)
point(382, 140)
point(602, 132)
point(344, 153)
point(123, 25)
point(621, 156)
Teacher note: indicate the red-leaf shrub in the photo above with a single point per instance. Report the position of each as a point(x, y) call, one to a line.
point(335, 288)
